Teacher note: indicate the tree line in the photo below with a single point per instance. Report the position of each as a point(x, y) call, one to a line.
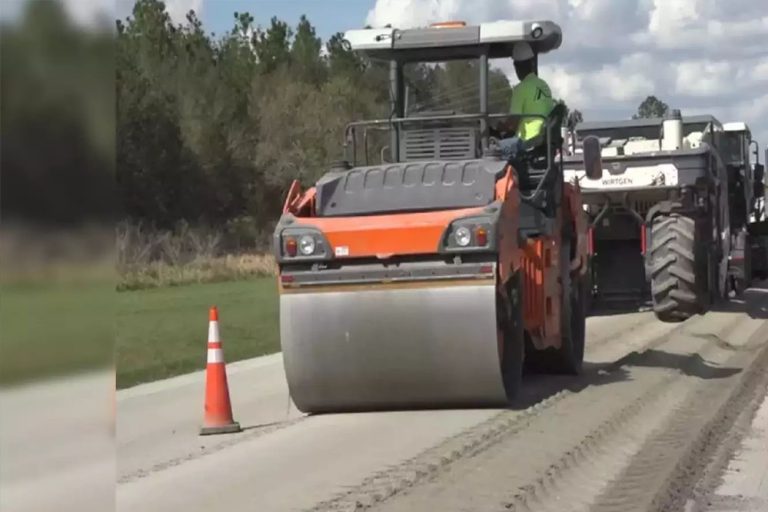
point(207, 129)
point(213, 128)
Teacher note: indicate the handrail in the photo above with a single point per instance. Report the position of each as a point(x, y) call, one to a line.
point(379, 123)
point(349, 128)
point(456, 117)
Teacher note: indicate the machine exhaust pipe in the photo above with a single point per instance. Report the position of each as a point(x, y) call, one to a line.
point(672, 127)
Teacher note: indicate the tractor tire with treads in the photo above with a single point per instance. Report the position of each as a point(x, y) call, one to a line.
point(675, 282)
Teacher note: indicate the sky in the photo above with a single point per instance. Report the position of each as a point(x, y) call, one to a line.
point(699, 56)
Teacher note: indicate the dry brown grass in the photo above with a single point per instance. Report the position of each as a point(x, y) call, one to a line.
point(35, 255)
point(150, 259)
point(200, 270)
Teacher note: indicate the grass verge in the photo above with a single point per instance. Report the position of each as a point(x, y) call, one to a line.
point(50, 329)
point(162, 332)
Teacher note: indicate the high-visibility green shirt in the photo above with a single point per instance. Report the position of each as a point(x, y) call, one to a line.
point(531, 96)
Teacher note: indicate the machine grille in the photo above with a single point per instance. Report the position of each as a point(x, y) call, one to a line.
point(459, 143)
point(642, 207)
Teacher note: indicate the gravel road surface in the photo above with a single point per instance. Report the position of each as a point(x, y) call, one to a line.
point(665, 417)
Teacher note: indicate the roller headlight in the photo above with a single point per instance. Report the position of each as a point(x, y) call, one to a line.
point(307, 245)
point(471, 234)
point(300, 244)
point(462, 236)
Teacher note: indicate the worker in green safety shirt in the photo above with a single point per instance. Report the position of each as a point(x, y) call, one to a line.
point(531, 96)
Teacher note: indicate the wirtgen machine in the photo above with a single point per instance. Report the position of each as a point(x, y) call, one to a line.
point(675, 215)
point(417, 281)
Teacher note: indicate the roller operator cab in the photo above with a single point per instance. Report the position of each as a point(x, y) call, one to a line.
point(426, 278)
point(671, 214)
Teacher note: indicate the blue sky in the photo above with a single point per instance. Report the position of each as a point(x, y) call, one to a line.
point(328, 16)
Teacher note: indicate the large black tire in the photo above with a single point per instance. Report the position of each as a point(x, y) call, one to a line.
point(512, 331)
point(569, 357)
point(678, 274)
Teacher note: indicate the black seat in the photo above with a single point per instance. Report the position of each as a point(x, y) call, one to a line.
point(537, 154)
point(533, 165)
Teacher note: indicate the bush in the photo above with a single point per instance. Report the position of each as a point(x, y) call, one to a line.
point(150, 258)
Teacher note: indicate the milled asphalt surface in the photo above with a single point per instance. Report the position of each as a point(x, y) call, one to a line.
point(740, 481)
point(629, 420)
point(746, 477)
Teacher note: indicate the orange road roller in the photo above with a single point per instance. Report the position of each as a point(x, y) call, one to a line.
point(431, 277)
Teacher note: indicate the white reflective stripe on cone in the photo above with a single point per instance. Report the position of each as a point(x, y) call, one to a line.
point(215, 355)
point(213, 331)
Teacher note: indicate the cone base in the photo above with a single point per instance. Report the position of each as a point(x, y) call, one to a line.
point(224, 429)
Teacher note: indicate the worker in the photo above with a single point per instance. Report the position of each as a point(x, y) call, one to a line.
point(531, 96)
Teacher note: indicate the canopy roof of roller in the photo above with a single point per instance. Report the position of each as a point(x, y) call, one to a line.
point(454, 40)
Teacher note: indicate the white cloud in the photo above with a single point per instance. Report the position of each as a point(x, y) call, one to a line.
point(760, 70)
point(706, 24)
point(722, 79)
point(412, 13)
point(703, 77)
point(621, 84)
point(566, 84)
point(89, 13)
point(178, 9)
point(697, 55)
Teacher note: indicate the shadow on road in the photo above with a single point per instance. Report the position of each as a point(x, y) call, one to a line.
point(690, 364)
point(538, 386)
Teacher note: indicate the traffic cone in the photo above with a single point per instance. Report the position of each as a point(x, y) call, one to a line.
point(218, 409)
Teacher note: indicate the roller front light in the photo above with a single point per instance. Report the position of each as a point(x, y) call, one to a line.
point(307, 245)
point(462, 236)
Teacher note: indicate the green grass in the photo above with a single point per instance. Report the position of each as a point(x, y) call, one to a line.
point(163, 332)
point(54, 329)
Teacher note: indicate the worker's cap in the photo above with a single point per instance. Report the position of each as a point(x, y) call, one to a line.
point(522, 51)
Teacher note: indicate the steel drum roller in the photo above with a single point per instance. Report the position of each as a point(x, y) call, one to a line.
point(366, 349)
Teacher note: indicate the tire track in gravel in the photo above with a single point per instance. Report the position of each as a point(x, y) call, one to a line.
point(429, 465)
point(699, 448)
point(704, 497)
point(579, 475)
point(524, 471)
point(387, 483)
point(605, 456)
point(669, 462)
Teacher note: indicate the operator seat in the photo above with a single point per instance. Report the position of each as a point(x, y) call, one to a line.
point(536, 158)
point(533, 165)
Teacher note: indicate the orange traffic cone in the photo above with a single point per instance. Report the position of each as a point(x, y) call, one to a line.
point(218, 409)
